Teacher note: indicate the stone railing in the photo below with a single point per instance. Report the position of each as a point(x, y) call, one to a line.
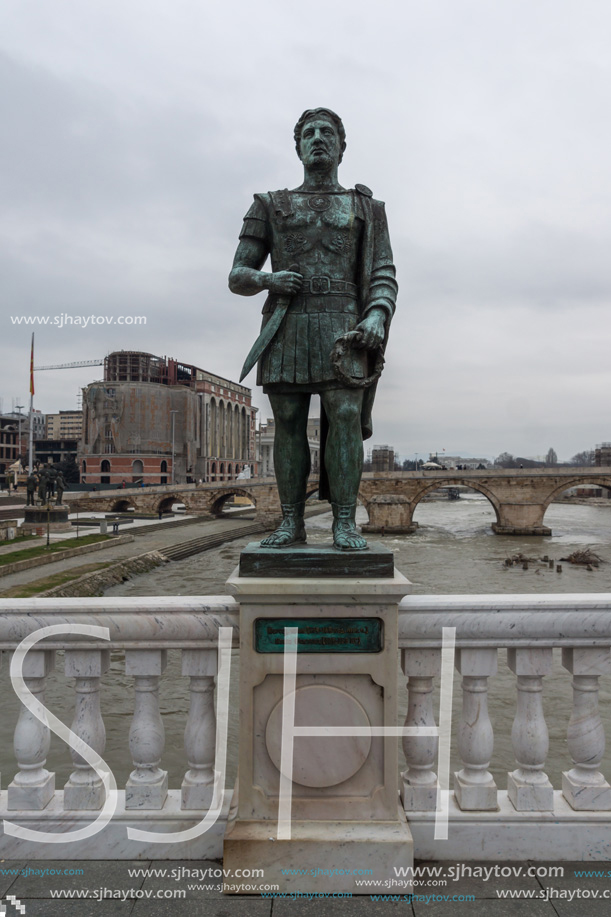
point(144, 630)
point(527, 819)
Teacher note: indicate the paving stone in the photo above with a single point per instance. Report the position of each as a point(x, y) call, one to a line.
point(229, 906)
point(472, 877)
point(154, 883)
point(571, 880)
point(358, 906)
point(485, 907)
point(6, 881)
point(581, 907)
point(63, 908)
point(96, 874)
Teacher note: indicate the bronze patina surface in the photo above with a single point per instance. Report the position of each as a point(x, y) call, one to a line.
point(321, 635)
point(315, 560)
point(332, 279)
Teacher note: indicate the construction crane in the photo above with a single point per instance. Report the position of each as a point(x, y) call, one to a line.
point(70, 365)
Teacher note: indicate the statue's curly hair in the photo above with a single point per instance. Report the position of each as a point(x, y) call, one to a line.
point(313, 113)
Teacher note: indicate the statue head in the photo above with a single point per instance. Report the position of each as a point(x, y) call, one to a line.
point(321, 113)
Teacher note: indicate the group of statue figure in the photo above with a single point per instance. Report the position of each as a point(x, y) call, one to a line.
point(48, 482)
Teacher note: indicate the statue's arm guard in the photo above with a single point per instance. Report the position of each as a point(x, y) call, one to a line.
point(382, 287)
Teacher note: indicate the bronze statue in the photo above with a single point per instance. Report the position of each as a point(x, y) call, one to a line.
point(60, 486)
point(42, 483)
point(31, 485)
point(332, 293)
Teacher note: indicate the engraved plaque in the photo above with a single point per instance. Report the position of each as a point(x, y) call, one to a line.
point(320, 635)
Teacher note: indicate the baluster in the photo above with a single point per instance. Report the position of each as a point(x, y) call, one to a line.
point(200, 730)
point(584, 787)
point(419, 781)
point(34, 786)
point(528, 787)
point(147, 787)
point(474, 786)
point(84, 789)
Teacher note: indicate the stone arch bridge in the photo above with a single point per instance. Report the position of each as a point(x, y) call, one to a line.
point(519, 497)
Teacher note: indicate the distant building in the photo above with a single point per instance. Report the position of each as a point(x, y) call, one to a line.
point(265, 445)
point(55, 450)
point(153, 420)
point(9, 436)
point(602, 454)
point(38, 422)
point(382, 458)
point(65, 425)
point(453, 461)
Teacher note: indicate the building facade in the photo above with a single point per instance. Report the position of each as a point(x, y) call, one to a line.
point(382, 458)
point(9, 442)
point(602, 455)
point(158, 421)
point(265, 446)
point(65, 425)
point(56, 450)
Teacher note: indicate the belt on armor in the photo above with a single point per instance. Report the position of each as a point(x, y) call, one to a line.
point(314, 286)
point(315, 305)
point(323, 285)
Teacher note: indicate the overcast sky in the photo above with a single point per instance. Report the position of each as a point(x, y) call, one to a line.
point(135, 133)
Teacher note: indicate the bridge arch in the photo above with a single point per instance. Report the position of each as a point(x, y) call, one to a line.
point(123, 505)
point(603, 481)
point(432, 486)
point(166, 503)
point(217, 504)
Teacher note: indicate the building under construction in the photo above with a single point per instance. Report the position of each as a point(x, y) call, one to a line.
point(155, 420)
point(382, 458)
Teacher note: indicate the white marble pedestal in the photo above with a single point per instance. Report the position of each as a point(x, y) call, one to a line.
point(345, 821)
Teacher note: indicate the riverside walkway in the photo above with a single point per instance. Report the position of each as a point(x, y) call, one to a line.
point(157, 537)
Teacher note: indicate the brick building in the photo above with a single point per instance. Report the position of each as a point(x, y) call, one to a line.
point(155, 420)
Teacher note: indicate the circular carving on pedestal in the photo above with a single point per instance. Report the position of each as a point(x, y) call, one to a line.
point(321, 761)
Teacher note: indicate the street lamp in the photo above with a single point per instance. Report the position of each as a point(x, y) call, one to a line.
point(19, 408)
point(172, 413)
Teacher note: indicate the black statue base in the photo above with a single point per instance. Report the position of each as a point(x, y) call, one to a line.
point(36, 519)
point(316, 560)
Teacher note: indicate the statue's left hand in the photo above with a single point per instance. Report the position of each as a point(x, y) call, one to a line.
point(372, 329)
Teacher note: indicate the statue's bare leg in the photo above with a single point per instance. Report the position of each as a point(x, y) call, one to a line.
point(291, 465)
point(344, 463)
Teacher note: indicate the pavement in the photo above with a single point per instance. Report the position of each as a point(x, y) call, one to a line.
point(155, 540)
point(166, 888)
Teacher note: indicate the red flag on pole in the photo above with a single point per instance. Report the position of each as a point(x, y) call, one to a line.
point(32, 367)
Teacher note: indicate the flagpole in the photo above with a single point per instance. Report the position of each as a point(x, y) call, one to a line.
point(31, 438)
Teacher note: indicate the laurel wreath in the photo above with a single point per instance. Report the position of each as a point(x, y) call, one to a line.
point(342, 346)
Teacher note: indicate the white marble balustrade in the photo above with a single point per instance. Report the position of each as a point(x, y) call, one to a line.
point(570, 821)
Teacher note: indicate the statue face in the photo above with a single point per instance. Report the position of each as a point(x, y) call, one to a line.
point(319, 144)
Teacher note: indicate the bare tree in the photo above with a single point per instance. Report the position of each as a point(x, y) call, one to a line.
point(583, 458)
point(551, 458)
point(505, 460)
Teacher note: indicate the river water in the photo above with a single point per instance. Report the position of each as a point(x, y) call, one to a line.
point(453, 551)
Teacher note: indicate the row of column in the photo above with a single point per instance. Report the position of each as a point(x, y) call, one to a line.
point(34, 786)
point(528, 786)
point(229, 430)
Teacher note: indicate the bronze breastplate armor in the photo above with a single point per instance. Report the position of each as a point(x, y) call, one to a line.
point(321, 235)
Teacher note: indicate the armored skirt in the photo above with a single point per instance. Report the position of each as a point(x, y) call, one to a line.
point(298, 357)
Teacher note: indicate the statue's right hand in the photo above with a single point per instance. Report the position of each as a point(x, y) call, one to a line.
point(285, 282)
